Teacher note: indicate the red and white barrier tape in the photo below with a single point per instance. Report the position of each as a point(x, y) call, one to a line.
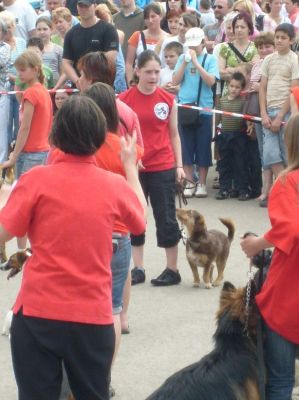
point(10, 92)
point(247, 117)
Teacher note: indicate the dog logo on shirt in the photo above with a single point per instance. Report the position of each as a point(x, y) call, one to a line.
point(161, 110)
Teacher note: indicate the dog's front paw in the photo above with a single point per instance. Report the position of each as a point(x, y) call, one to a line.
point(216, 283)
point(208, 285)
point(196, 284)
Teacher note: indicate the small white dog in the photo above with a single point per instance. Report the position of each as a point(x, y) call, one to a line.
point(7, 323)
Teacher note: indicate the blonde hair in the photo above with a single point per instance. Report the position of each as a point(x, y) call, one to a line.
point(291, 138)
point(30, 59)
point(61, 12)
point(8, 18)
point(245, 5)
point(102, 11)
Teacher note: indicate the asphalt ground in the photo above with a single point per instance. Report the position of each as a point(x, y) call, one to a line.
point(170, 327)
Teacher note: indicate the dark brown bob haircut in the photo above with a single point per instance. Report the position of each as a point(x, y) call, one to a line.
point(79, 127)
point(103, 95)
point(97, 67)
point(244, 16)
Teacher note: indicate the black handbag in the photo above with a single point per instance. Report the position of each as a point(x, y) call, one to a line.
point(188, 116)
point(252, 105)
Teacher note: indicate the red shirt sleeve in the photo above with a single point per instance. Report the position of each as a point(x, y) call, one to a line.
point(284, 213)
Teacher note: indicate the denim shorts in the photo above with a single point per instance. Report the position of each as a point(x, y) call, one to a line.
point(26, 161)
point(120, 264)
point(197, 142)
point(273, 143)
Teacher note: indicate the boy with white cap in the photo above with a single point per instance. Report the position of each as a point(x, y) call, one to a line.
point(196, 72)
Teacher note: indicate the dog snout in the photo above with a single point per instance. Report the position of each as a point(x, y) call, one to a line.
point(5, 266)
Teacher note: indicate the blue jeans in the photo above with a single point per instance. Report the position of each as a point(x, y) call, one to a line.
point(26, 161)
point(120, 264)
point(13, 123)
point(280, 355)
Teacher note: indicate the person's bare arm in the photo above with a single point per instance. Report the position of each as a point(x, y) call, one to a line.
point(176, 142)
point(266, 121)
point(130, 59)
point(252, 245)
point(69, 70)
point(209, 79)
point(22, 134)
point(178, 76)
point(4, 235)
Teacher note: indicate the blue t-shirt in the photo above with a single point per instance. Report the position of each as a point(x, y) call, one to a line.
point(189, 85)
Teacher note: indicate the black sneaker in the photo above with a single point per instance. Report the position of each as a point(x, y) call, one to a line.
point(233, 194)
point(137, 275)
point(222, 195)
point(244, 197)
point(167, 278)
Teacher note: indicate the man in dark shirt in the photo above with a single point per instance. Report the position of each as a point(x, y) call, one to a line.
point(90, 35)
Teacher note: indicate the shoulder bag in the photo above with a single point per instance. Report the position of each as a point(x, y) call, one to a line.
point(188, 116)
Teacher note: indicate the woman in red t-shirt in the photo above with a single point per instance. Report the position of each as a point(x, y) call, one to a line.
point(63, 311)
point(278, 300)
point(162, 161)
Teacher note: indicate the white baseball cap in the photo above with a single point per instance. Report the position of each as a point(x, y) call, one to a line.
point(194, 37)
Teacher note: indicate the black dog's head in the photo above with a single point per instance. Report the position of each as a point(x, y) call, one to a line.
point(236, 309)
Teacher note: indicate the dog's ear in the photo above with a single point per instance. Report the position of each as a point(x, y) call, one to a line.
point(22, 257)
point(227, 286)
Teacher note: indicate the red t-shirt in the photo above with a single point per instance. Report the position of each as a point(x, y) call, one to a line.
point(295, 91)
point(41, 122)
point(279, 299)
point(153, 112)
point(68, 210)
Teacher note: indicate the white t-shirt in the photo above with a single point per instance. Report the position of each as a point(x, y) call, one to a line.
point(166, 75)
point(25, 17)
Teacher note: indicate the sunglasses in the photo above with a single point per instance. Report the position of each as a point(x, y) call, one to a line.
point(217, 6)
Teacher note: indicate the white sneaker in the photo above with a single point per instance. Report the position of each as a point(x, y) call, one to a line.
point(189, 190)
point(201, 190)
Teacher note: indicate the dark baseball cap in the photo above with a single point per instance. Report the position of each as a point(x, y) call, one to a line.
point(86, 2)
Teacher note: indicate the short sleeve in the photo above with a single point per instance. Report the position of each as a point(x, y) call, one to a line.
point(224, 49)
point(211, 66)
point(16, 215)
point(67, 46)
point(134, 39)
point(179, 63)
point(30, 95)
point(295, 68)
point(111, 41)
point(264, 67)
point(283, 210)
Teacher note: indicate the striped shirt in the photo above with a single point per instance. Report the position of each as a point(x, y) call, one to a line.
point(231, 124)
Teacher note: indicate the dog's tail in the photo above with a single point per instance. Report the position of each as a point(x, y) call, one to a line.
point(230, 226)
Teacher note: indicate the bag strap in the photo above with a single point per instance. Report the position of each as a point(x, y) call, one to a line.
point(237, 53)
point(200, 79)
point(143, 40)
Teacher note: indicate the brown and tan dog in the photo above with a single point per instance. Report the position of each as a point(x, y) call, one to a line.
point(15, 262)
point(204, 247)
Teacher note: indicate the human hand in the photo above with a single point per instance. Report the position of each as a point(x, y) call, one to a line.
point(180, 174)
point(276, 124)
point(266, 121)
point(250, 245)
point(128, 150)
point(193, 55)
point(7, 164)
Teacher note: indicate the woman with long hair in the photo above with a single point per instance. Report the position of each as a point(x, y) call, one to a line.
point(147, 39)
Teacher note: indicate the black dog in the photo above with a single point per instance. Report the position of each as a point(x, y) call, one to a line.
point(229, 372)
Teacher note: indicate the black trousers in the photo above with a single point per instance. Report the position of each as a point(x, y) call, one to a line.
point(159, 188)
point(39, 346)
point(255, 168)
point(233, 162)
